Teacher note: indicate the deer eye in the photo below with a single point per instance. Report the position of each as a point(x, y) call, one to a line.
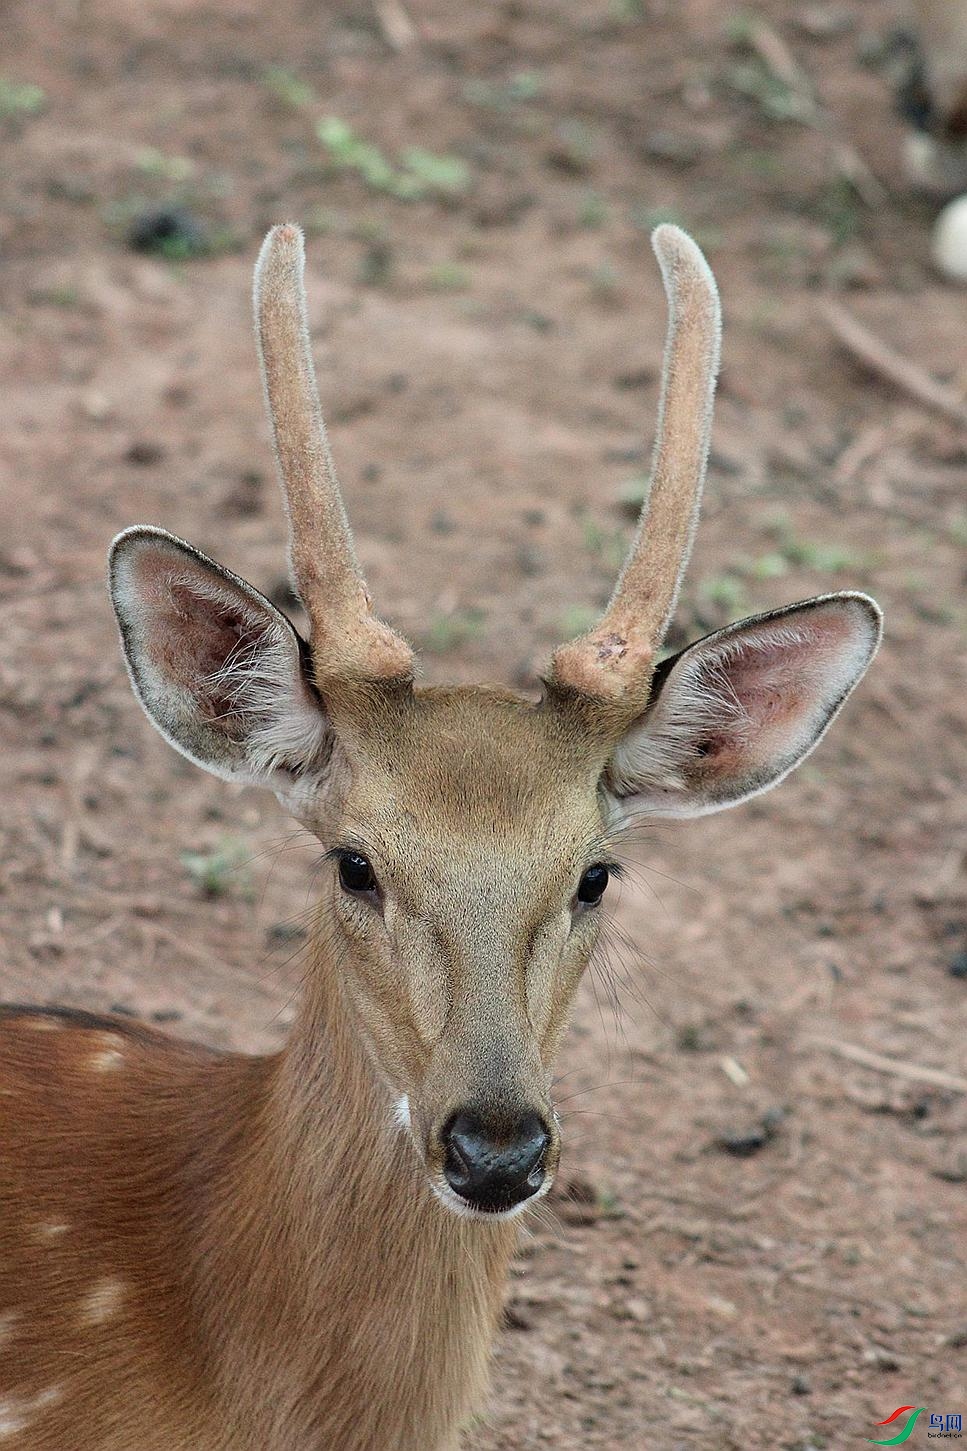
point(356, 873)
point(592, 884)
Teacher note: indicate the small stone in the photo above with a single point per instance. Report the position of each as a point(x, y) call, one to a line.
point(17, 563)
point(167, 232)
point(824, 22)
point(881, 1358)
point(953, 1171)
point(949, 243)
point(722, 1307)
point(283, 932)
point(742, 1143)
point(144, 452)
point(635, 378)
point(957, 966)
point(96, 407)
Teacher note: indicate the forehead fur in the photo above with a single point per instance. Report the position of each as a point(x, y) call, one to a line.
point(468, 758)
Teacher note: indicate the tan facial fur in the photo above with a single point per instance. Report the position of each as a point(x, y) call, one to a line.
point(479, 812)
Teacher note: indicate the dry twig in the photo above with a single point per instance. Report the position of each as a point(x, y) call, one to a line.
point(779, 60)
point(396, 24)
point(898, 1067)
point(886, 362)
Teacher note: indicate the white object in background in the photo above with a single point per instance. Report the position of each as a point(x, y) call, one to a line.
point(949, 243)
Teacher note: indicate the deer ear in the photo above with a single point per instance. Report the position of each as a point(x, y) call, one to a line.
point(734, 713)
point(218, 669)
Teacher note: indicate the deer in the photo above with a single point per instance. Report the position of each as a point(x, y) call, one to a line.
point(203, 1250)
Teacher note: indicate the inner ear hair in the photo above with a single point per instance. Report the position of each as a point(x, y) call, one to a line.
point(218, 669)
point(731, 715)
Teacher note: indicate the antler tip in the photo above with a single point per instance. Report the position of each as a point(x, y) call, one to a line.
point(285, 234)
point(667, 234)
point(282, 254)
point(675, 249)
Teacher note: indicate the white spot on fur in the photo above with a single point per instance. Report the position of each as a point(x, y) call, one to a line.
point(12, 1420)
point(108, 1057)
point(44, 1025)
point(401, 1113)
point(8, 1326)
point(105, 1061)
point(102, 1302)
point(16, 1413)
point(50, 1229)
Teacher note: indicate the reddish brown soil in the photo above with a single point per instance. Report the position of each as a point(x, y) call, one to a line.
point(488, 367)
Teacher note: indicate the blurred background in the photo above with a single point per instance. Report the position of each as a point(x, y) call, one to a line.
point(759, 1238)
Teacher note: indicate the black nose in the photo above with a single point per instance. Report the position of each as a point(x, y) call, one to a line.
point(494, 1171)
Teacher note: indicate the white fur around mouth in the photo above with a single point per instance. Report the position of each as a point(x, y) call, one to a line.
point(459, 1206)
point(454, 1203)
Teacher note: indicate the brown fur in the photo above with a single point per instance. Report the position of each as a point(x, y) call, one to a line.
point(285, 1279)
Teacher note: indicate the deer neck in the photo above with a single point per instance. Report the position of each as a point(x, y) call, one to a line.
point(366, 1310)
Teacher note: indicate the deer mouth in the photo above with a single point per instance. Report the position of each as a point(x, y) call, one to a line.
point(465, 1209)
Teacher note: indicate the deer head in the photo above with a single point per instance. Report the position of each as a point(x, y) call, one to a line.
point(470, 832)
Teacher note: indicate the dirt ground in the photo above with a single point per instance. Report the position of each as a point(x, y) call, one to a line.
point(765, 1240)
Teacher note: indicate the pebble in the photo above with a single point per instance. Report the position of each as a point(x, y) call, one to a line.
point(144, 452)
point(957, 966)
point(169, 231)
point(743, 1143)
point(949, 242)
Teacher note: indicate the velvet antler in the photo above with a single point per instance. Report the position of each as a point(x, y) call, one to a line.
point(348, 641)
point(616, 658)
